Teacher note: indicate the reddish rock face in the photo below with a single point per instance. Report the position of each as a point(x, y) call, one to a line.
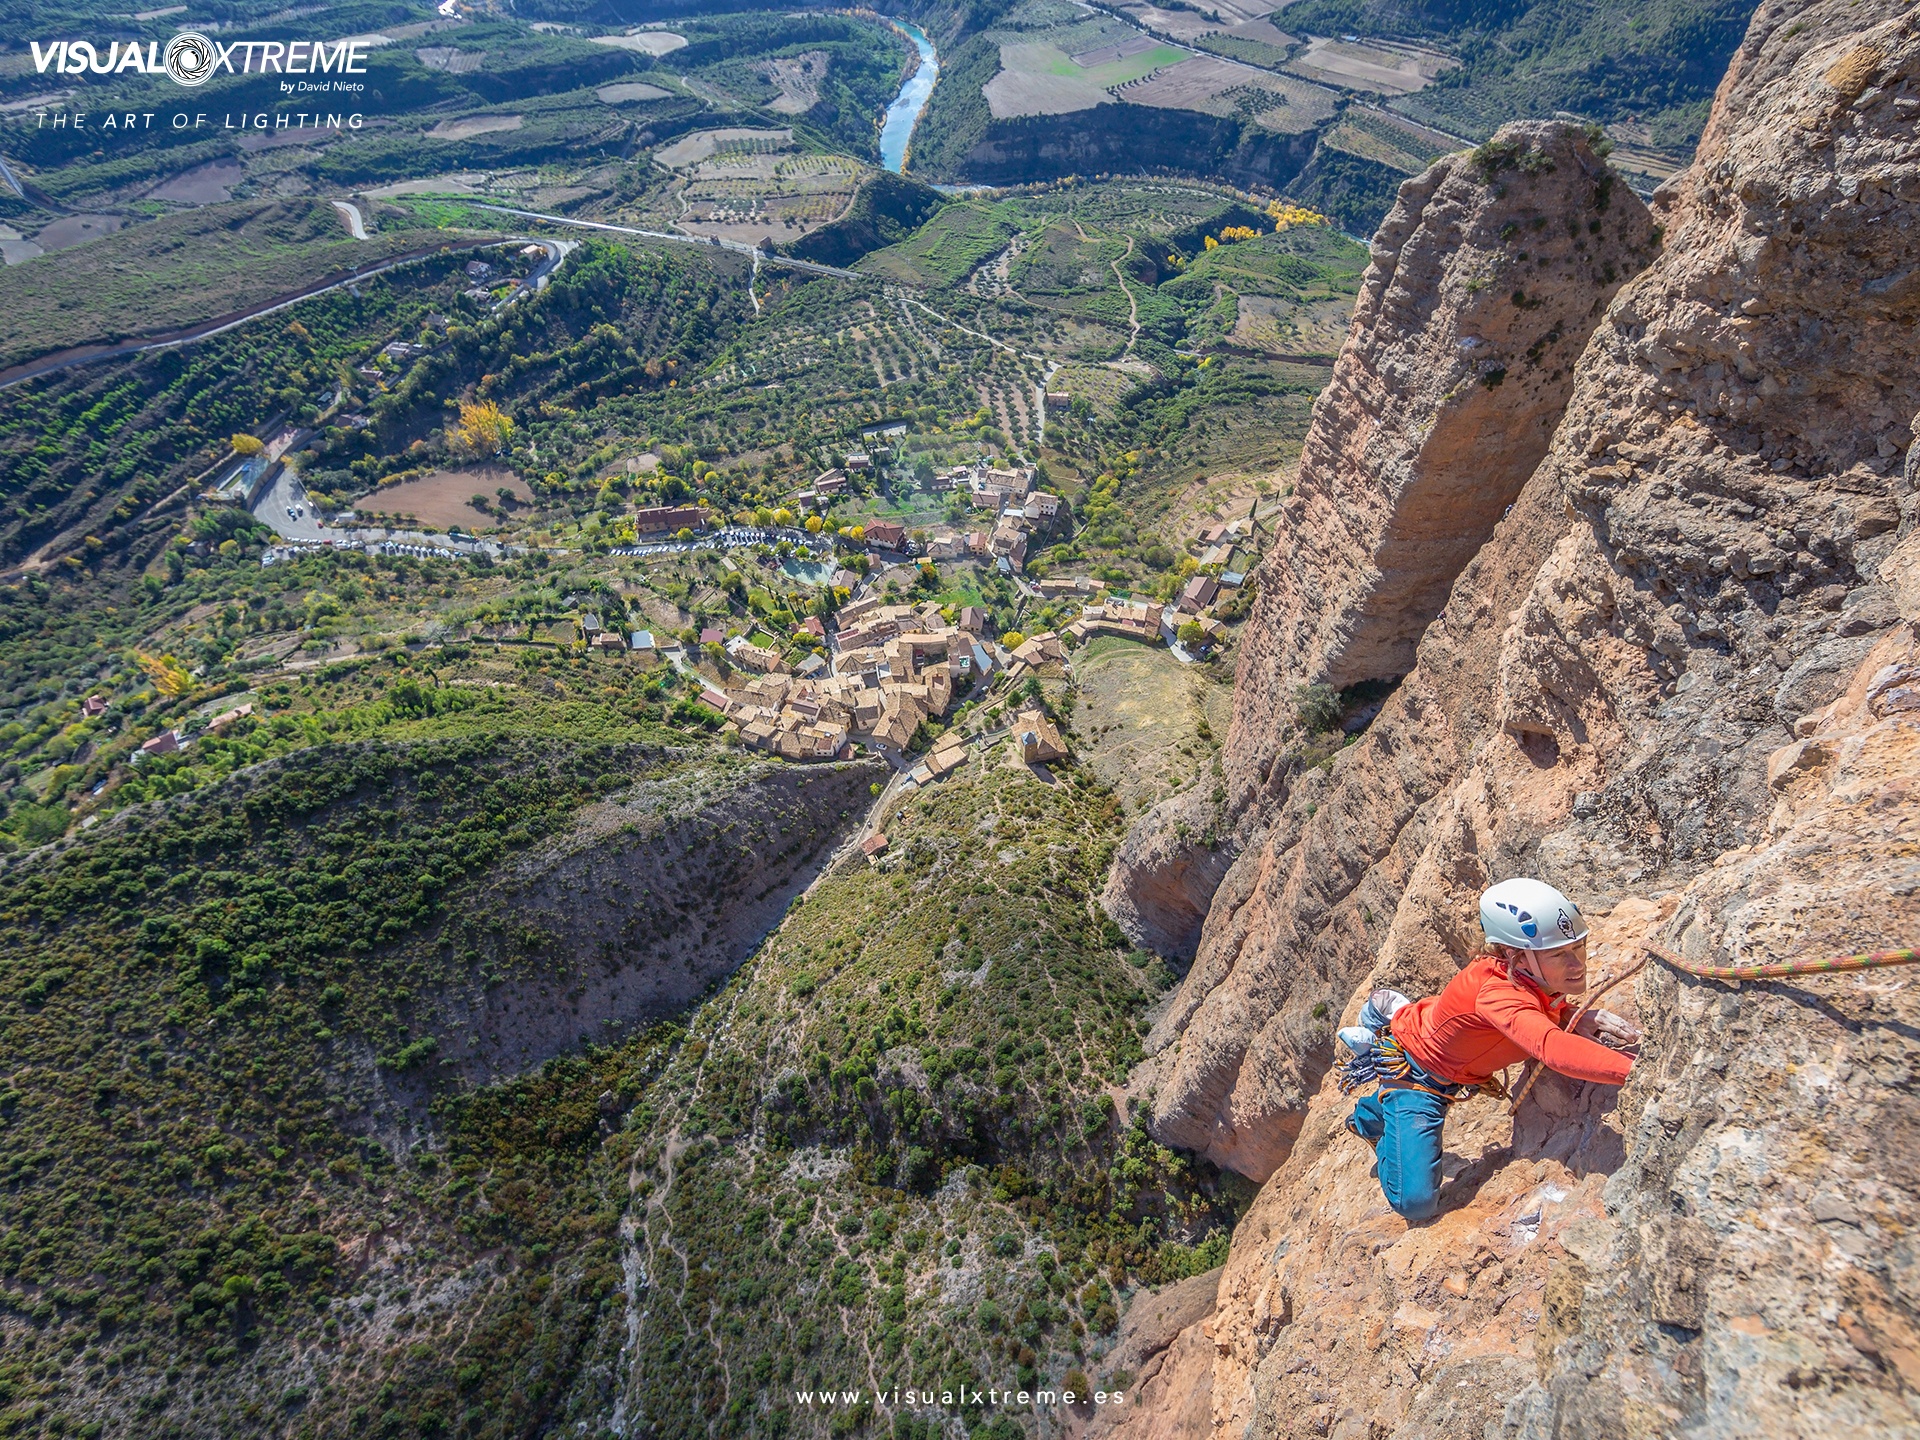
point(1681, 682)
point(1486, 279)
point(1689, 570)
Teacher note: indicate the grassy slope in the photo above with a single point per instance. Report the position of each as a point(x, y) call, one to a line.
point(179, 270)
point(950, 247)
point(886, 209)
point(194, 995)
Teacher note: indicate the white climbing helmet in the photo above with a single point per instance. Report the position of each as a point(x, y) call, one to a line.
point(1530, 915)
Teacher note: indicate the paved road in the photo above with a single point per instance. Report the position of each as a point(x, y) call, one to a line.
point(766, 257)
point(356, 226)
point(537, 278)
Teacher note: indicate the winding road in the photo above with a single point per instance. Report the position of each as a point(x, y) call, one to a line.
point(557, 251)
point(350, 212)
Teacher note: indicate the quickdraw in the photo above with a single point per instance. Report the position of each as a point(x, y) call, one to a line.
point(1868, 960)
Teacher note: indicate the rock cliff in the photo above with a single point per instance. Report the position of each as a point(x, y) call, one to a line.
point(1680, 681)
point(645, 903)
point(1484, 283)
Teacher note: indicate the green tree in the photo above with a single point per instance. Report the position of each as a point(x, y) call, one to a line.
point(1317, 707)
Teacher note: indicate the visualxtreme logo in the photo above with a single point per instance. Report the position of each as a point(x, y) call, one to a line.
point(191, 58)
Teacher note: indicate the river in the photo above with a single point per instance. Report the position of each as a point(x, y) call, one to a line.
point(905, 110)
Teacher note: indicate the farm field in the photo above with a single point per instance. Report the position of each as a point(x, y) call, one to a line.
point(1014, 93)
point(798, 79)
point(1395, 70)
point(442, 499)
point(631, 92)
point(690, 150)
point(1214, 86)
point(948, 249)
point(1262, 322)
point(1159, 722)
point(471, 125)
point(1258, 42)
point(1126, 64)
point(76, 230)
point(1191, 23)
point(645, 42)
point(209, 184)
point(1038, 79)
point(749, 194)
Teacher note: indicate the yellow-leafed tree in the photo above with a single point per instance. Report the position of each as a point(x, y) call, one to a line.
point(484, 429)
point(1285, 215)
point(169, 676)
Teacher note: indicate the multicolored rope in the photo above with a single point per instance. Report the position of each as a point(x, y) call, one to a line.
point(1388, 1064)
point(1868, 960)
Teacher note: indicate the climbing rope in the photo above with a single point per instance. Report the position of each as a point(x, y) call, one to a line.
point(1868, 960)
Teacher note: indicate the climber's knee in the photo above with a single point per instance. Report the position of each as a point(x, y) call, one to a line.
point(1421, 1204)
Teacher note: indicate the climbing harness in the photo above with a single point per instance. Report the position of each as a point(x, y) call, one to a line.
point(1868, 960)
point(1387, 1063)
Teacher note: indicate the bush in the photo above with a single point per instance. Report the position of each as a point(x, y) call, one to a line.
point(38, 824)
point(1316, 707)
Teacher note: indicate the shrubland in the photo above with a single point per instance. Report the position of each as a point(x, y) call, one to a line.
point(216, 1016)
point(890, 1151)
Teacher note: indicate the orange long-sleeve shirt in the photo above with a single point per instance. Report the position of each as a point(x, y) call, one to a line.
point(1484, 1021)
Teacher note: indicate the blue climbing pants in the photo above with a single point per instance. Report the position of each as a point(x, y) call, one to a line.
point(1403, 1125)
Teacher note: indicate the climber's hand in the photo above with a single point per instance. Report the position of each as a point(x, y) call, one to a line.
point(1608, 1028)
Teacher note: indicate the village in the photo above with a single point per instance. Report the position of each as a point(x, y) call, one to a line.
point(888, 673)
point(889, 660)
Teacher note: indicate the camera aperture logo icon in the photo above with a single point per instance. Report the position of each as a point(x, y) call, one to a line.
point(191, 58)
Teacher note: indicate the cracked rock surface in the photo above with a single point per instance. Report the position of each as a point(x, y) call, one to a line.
point(1680, 681)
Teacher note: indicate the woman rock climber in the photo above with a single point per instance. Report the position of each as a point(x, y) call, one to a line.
point(1506, 1005)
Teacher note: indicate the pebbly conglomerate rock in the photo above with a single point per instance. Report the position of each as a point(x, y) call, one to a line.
point(1484, 282)
point(1681, 681)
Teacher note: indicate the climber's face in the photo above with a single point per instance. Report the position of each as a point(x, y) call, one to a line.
point(1561, 971)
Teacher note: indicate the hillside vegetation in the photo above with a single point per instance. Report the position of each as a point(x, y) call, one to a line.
point(240, 1179)
point(187, 268)
point(892, 1148)
point(1650, 63)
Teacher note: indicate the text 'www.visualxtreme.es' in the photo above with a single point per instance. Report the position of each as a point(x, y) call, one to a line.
point(962, 1395)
